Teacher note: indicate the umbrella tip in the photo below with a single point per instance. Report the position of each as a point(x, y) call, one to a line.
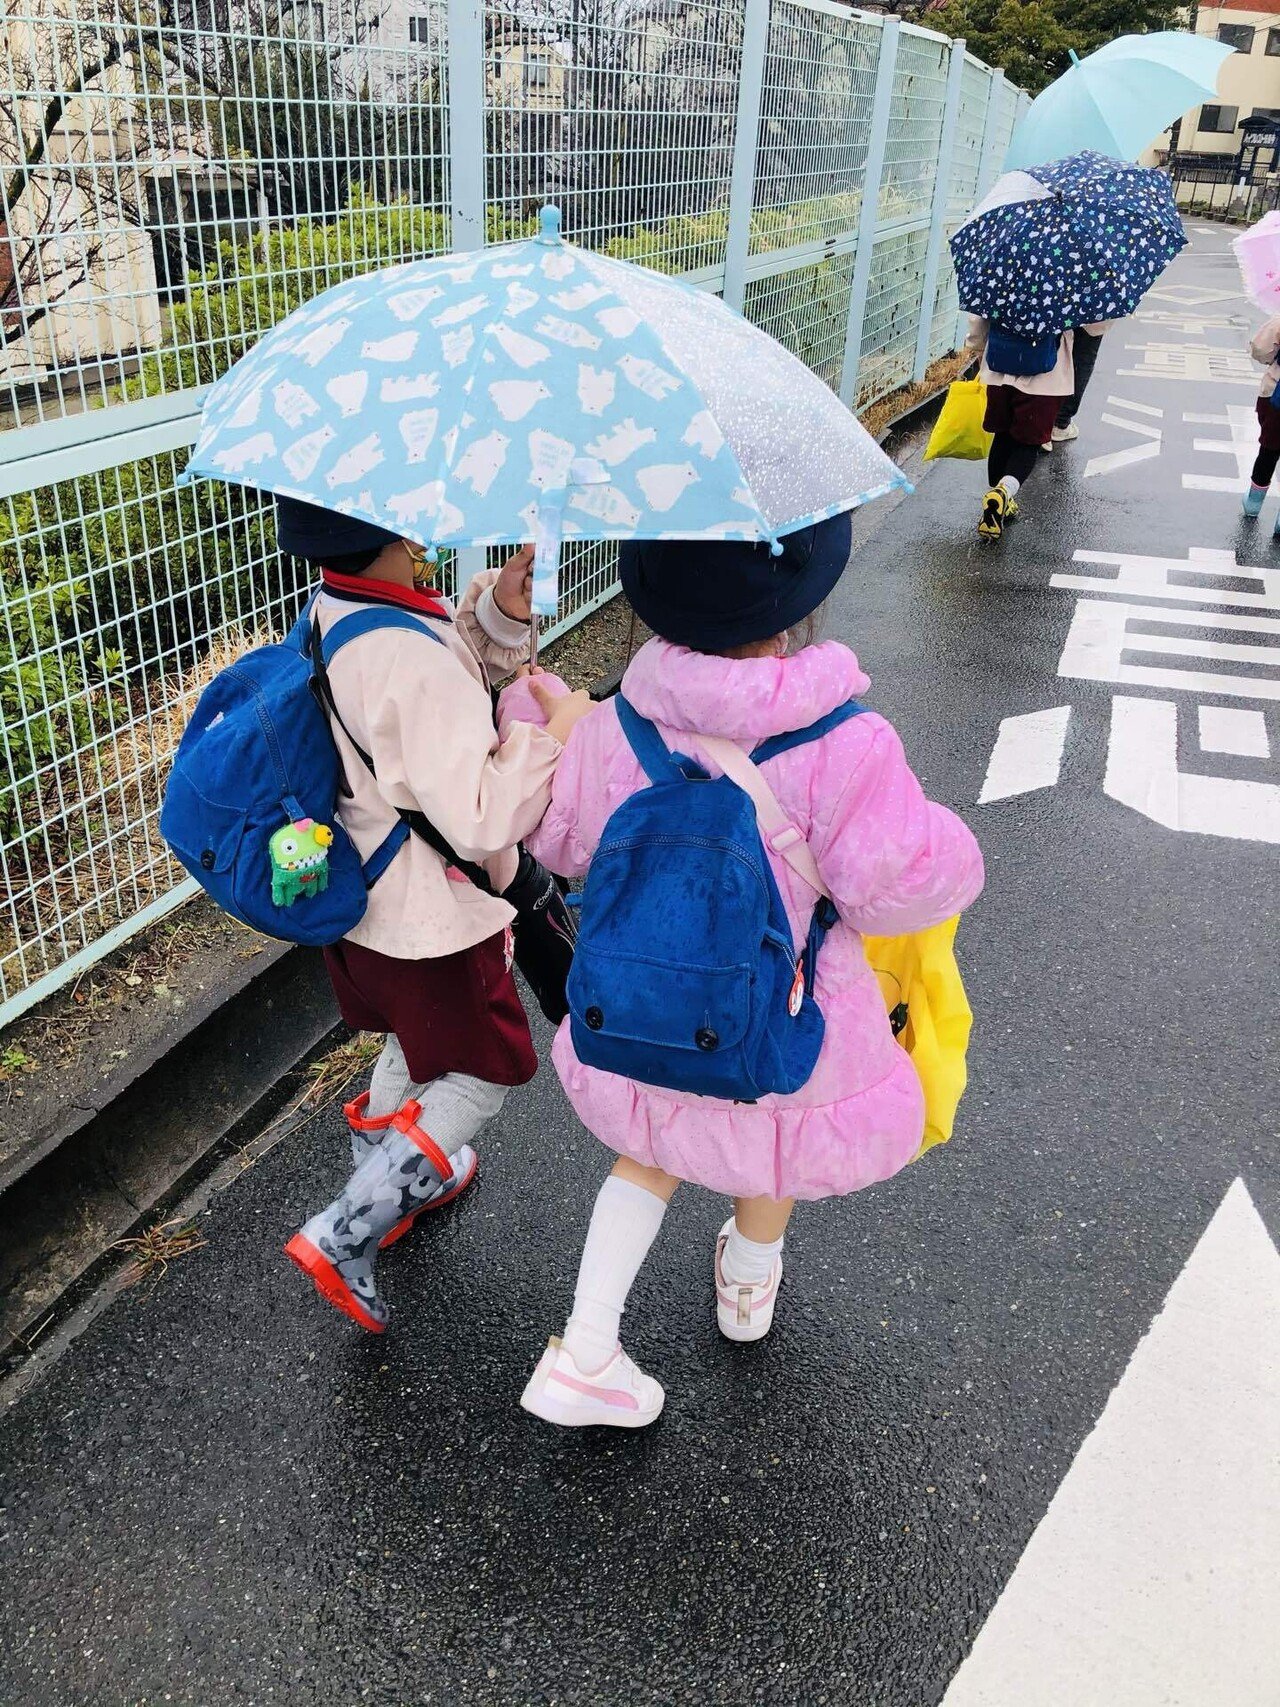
point(1073, 56)
point(549, 224)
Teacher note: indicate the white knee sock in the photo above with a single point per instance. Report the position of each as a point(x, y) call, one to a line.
point(624, 1223)
point(747, 1260)
point(1011, 483)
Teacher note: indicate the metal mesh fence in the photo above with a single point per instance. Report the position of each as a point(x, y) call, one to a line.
point(177, 179)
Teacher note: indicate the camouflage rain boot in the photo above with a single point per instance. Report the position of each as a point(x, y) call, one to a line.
point(339, 1247)
point(367, 1133)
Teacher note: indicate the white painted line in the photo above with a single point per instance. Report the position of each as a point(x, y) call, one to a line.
point(1139, 408)
point(1215, 483)
point(1113, 459)
point(1233, 729)
point(1147, 432)
point(1183, 580)
point(1151, 1579)
point(1027, 754)
point(1142, 772)
point(1193, 364)
point(1191, 296)
point(1206, 420)
point(1099, 636)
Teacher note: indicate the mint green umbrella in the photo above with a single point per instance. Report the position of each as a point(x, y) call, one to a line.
point(1119, 99)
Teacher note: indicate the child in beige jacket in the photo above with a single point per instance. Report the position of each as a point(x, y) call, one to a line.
point(430, 962)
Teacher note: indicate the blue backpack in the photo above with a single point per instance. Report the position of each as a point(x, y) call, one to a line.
point(249, 806)
point(685, 974)
point(1008, 352)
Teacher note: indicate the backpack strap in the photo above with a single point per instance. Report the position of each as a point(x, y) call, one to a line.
point(322, 648)
point(656, 759)
point(779, 833)
point(360, 622)
point(777, 744)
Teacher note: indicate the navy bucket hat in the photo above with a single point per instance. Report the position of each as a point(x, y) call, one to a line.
point(712, 595)
point(320, 535)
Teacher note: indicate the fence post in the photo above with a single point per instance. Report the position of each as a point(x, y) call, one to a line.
point(869, 212)
point(465, 48)
point(988, 165)
point(742, 183)
point(937, 225)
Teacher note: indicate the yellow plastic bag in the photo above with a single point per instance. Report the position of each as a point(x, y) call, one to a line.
point(931, 1016)
point(958, 431)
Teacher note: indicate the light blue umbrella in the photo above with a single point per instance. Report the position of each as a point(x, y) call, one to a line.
point(1119, 99)
point(537, 391)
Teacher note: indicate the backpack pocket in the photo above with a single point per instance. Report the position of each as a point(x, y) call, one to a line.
point(205, 834)
point(680, 1027)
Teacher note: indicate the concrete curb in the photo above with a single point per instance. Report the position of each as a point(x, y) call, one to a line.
point(116, 1168)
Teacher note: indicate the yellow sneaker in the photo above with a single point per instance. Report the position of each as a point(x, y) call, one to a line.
point(995, 511)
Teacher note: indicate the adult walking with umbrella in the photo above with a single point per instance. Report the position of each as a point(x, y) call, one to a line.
point(1115, 102)
point(1074, 243)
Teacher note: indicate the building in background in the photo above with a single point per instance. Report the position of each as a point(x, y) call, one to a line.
point(1222, 137)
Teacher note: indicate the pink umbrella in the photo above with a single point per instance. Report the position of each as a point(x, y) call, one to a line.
point(1258, 252)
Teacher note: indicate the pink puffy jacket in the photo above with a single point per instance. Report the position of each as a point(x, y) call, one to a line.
point(893, 861)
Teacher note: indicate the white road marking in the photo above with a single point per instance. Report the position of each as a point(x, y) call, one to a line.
point(1195, 325)
point(1242, 445)
point(1140, 427)
point(1153, 577)
point(1100, 634)
point(1234, 729)
point(1142, 772)
point(1138, 408)
point(1207, 420)
point(1151, 1579)
point(1113, 459)
point(1192, 364)
point(1190, 296)
point(1027, 754)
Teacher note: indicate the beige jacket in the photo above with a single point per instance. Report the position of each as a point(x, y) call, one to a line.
point(424, 715)
point(1060, 381)
point(1264, 347)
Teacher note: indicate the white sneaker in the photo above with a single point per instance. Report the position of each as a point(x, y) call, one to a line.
point(1046, 449)
point(618, 1396)
point(1064, 435)
point(744, 1312)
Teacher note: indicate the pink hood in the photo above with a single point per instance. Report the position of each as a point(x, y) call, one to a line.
point(894, 862)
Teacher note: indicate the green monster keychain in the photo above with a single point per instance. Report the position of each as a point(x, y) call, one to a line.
point(299, 861)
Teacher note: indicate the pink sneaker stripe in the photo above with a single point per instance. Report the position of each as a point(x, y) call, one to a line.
point(607, 1395)
point(730, 1301)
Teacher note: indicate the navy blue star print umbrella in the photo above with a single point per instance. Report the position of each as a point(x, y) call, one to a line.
point(1065, 244)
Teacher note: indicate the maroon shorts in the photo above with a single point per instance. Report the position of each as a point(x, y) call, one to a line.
point(458, 1014)
point(1269, 421)
point(1026, 419)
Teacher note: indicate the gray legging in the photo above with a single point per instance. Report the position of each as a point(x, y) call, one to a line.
point(454, 1106)
point(1084, 353)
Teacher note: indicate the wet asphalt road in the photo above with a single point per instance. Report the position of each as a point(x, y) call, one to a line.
point(224, 1493)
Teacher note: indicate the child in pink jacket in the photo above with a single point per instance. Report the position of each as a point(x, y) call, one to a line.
point(735, 659)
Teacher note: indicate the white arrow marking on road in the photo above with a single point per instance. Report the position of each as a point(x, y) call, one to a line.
point(1027, 754)
point(1151, 1579)
point(1142, 773)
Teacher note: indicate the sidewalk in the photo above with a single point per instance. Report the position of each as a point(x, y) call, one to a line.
point(223, 1492)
